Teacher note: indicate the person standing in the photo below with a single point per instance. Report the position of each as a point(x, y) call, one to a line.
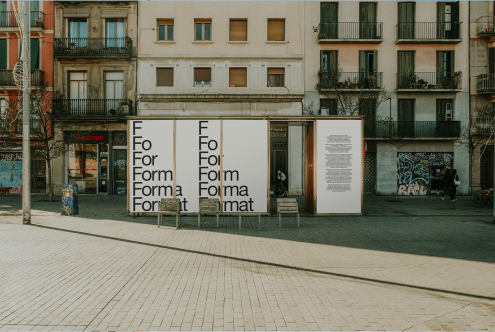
point(453, 185)
point(446, 183)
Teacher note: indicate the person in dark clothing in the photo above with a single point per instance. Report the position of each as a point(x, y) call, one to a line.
point(453, 186)
point(446, 183)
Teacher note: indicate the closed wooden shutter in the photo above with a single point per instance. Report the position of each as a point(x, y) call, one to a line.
point(276, 71)
point(276, 29)
point(238, 77)
point(238, 30)
point(202, 74)
point(164, 76)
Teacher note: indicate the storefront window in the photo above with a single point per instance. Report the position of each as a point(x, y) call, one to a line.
point(85, 167)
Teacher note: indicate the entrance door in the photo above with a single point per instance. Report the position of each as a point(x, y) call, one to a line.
point(115, 32)
point(486, 168)
point(120, 171)
point(102, 168)
point(309, 168)
point(279, 142)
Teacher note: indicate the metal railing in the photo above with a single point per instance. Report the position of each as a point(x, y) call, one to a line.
point(7, 78)
point(485, 26)
point(350, 30)
point(6, 126)
point(482, 125)
point(428, 30)
point(412, 129)
point(428, 81)
point(352, 80)
point(92, 46)
point(7, 19)
point(92, 107)
point(485, 83)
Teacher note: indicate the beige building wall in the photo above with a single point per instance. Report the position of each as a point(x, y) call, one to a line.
point(257, 54)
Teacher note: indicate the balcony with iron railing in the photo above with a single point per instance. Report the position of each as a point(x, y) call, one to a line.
point(96, 108)
point(482, 126)
point(485, 83)
point(412, 129)
point(8, 20)
point(8, 127)
point(92, 47)
point(7, 78)
point(350, 33)
point(428, 33)
point(429, 82)
point(350, 81)
point(485, 27)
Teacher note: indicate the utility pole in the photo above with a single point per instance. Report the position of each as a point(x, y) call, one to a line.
point(26, 115)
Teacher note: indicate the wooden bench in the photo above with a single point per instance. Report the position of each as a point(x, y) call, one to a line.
point(250, 215)
point(209, 206)
point(169, 206)
point(287, 205)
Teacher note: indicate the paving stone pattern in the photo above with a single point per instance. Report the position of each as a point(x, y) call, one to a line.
point(103, 270)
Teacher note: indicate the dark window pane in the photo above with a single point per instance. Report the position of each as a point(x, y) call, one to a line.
point(199, 31)
point(207, 31)
point(161, 32)
point(170, 32)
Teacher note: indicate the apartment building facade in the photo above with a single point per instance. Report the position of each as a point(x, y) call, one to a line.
point(482, 92)
point(95, 83)
point(418, 53)
point(213, 59)
point(41, 52)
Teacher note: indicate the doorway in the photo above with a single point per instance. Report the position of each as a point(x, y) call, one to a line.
point(291, 151)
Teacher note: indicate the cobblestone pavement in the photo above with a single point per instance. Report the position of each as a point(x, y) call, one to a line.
point(404, 269)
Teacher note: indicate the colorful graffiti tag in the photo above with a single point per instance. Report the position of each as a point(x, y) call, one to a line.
point(417, 170)
point(10, 173)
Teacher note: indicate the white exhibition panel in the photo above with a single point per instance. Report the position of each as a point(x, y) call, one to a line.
point(198, 160)
point(245, 165)
point(198, 147)
point(339, 167)
point(151, 163)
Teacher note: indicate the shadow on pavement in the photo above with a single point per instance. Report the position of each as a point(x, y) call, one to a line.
point(466, 232)
point(319, 272)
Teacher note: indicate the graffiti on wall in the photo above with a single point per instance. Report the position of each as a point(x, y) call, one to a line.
point(10, 173)
point(416, 171)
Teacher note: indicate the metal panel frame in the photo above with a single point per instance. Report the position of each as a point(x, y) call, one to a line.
point(270, 119)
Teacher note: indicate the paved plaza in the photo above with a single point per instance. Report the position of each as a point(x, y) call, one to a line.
point(410, 263)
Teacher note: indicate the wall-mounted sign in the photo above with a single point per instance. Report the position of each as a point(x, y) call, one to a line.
point(88, 137)
point(225, 159)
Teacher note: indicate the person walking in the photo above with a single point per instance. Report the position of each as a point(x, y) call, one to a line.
point(446, 183)
point(453, 185)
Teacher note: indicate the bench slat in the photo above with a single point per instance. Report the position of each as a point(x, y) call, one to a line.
point(284, 200)
point(287, 204)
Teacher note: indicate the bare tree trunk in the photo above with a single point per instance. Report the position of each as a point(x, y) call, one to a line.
point(49, 179)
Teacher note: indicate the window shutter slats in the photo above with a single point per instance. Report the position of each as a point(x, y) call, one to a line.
point(276, 30)
point(279, 71)
point(164, 76)
point(202, 74)
point(238, 77)
point(165, 22)
point(238, 30)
